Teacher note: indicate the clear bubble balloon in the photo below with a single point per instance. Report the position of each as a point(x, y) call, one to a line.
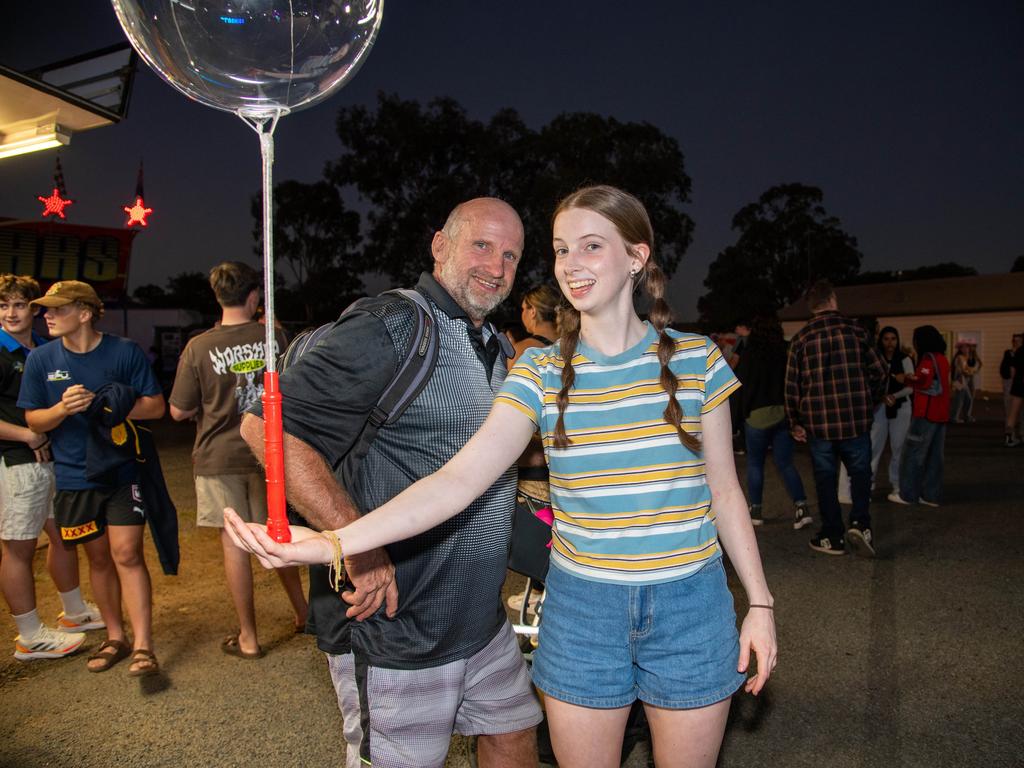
point(254, 57)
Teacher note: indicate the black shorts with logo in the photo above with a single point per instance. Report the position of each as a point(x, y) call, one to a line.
point(84, 515)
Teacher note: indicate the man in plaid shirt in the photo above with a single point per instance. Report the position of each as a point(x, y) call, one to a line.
point(834, 379)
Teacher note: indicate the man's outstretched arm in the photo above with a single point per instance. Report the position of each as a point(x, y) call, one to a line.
point(312, 489)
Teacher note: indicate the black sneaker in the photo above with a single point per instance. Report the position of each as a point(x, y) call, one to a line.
point(827, 546)
point(756, 515)
point(801, 516)
point(1011, 441)
point(859, 537)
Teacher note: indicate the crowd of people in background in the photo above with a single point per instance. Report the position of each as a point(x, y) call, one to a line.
point(591, 402)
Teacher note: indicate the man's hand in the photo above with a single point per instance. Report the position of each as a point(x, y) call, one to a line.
point(799, 434)
point(76, 399)
point(373, 576)
point(40, 446)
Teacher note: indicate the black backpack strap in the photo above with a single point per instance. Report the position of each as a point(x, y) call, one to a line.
point(416, 369)
point(412, 375)
point(507, 349)
point(302, 344)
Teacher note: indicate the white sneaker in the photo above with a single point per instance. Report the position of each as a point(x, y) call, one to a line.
point(515, 602)
point(927, 503)
point(81, 622)
point(47, 644)
point(801, 516)
point(895, 498)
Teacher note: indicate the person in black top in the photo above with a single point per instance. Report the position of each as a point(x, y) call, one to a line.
point(762, 369)
point(1006, 370)
point(1013, 413)
point(539, 316)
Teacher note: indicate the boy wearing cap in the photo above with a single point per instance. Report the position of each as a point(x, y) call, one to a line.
point(60, 382)
point(220, 375)
point(26, 497)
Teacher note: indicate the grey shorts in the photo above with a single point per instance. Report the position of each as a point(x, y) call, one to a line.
point(408, 716)
point(26, 499)
point(246, 494)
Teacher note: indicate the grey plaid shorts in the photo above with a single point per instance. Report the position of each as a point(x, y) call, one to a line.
point(408, 716)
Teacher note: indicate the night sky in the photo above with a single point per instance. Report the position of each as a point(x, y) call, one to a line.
point(910, 117)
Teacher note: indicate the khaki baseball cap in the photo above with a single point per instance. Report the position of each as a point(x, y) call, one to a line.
point(67, 291)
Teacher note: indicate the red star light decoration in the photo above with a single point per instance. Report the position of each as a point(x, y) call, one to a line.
point(137, 213)
point(54, 204)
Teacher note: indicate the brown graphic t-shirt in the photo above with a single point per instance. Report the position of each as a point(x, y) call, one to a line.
point(220, 372)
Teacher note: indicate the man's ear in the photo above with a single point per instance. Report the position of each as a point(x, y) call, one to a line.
point(439, 247)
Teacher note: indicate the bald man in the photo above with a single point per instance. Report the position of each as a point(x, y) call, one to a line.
point(430, 651)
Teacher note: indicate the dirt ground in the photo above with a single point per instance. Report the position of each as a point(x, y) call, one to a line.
point(905, 660)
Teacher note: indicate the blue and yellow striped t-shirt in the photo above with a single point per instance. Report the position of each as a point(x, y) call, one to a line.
point(631, 503)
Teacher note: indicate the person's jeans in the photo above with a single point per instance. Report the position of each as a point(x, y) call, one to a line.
point(781, 442)
point(962, 404)
point(923, 458)
point(855, 454)
point(882, 429)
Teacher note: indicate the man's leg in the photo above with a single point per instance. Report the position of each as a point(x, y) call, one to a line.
point(342, 667)
point(238, 573)
point(16, 578)
point(291, 581)
point(499, 706)
point(130, 560)
point(61, 561)
point(856, 457)
point(408, 714)
point(823, 458)
point(255, 493)
point(508, 750)
point(25, 503)
point(213, 493)
point(106, 590)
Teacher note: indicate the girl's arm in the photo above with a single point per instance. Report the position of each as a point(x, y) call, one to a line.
point(428, 502)
point(737, 536)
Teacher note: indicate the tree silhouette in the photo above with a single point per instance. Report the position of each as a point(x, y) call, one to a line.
point(411, 164)
point(786, 241)
point(315, 236)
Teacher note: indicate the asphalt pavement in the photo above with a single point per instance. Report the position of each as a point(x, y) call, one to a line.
point(907, 659)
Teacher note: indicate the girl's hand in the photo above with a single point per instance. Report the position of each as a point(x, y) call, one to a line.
point(306, 547)
point(758, 634)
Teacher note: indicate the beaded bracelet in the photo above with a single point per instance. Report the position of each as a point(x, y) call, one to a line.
point(336, 568)
point(766, 607)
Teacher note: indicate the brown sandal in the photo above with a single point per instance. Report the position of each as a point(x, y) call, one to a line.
point(110, 652)
point(143, 664)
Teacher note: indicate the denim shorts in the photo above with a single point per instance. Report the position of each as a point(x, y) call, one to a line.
point(672, 645)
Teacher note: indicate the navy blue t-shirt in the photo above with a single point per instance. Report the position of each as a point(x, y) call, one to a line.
point(51, 369)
